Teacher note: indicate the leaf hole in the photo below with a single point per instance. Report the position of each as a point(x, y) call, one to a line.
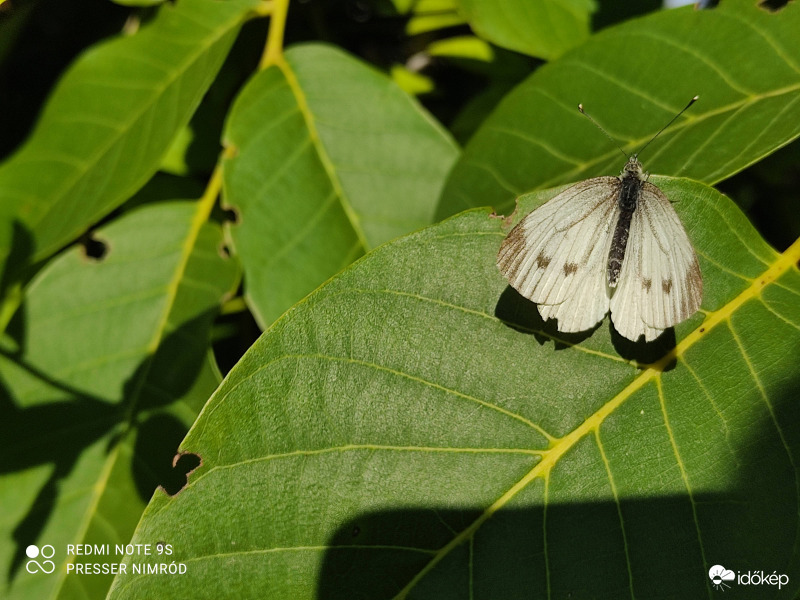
point(705, 4)
point(231, 215)
point(182, 466)
point(773, 6)
point(93, 248)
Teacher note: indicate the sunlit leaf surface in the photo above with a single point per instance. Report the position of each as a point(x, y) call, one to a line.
point(108, 123)
point(331, 158)
point(633, 79)
point(545, 29)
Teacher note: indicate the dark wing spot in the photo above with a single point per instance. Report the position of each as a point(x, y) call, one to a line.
point(666, 285)
point(570, 268)
point(542, 261)
point(647, 284)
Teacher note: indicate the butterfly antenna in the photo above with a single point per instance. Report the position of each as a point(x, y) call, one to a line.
point(596, 124)
point(692, 101)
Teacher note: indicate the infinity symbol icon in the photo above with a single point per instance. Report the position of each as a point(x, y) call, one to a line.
point(33, 552)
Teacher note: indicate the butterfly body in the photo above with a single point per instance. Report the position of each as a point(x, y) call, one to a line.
point(631, 182)
point(606, 244)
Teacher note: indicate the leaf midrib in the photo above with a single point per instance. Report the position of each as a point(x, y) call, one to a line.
point(330, 168)
point(201, 212)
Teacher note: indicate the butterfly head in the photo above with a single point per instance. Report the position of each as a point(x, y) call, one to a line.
point(633, 168)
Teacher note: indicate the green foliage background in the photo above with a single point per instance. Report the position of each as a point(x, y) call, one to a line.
point(179, 178)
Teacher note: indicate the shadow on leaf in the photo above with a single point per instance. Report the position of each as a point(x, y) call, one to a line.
point(66, 423)
point(522, 315)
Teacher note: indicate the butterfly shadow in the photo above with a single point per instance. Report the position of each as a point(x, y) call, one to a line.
point(646, 353)
point(521, 314)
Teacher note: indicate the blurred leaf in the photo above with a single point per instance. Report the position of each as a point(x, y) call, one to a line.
point(434, 6)
point(466, 46)
point(331, 159)
point(411, 82)
point(108, 368)
point(111, 119)
point(403, 6)
point(633, 79)
point(410, 431)
point(545, 29)
point(424, 23)
point(432, 15)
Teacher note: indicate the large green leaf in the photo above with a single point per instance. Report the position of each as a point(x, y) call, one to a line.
point(107, 369)
point(109, 122)
point(330, 159)
point(742, 60)
point(413, 430)
point(545, 29)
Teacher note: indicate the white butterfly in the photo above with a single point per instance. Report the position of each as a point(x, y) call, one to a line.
point(608, 243)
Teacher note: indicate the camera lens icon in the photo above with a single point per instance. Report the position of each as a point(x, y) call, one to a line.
point(34, 566)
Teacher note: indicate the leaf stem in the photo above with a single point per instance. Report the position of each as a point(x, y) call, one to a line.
point(209, 197)
point(273, 52)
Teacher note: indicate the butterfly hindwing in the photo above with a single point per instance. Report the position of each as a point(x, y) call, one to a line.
point(660, 282)
point(556, 255)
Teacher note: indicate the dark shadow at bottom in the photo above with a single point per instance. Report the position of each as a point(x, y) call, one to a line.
point(564, 551)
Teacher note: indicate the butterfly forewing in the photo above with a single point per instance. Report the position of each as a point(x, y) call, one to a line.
point(556, 255)
point(660, 283)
